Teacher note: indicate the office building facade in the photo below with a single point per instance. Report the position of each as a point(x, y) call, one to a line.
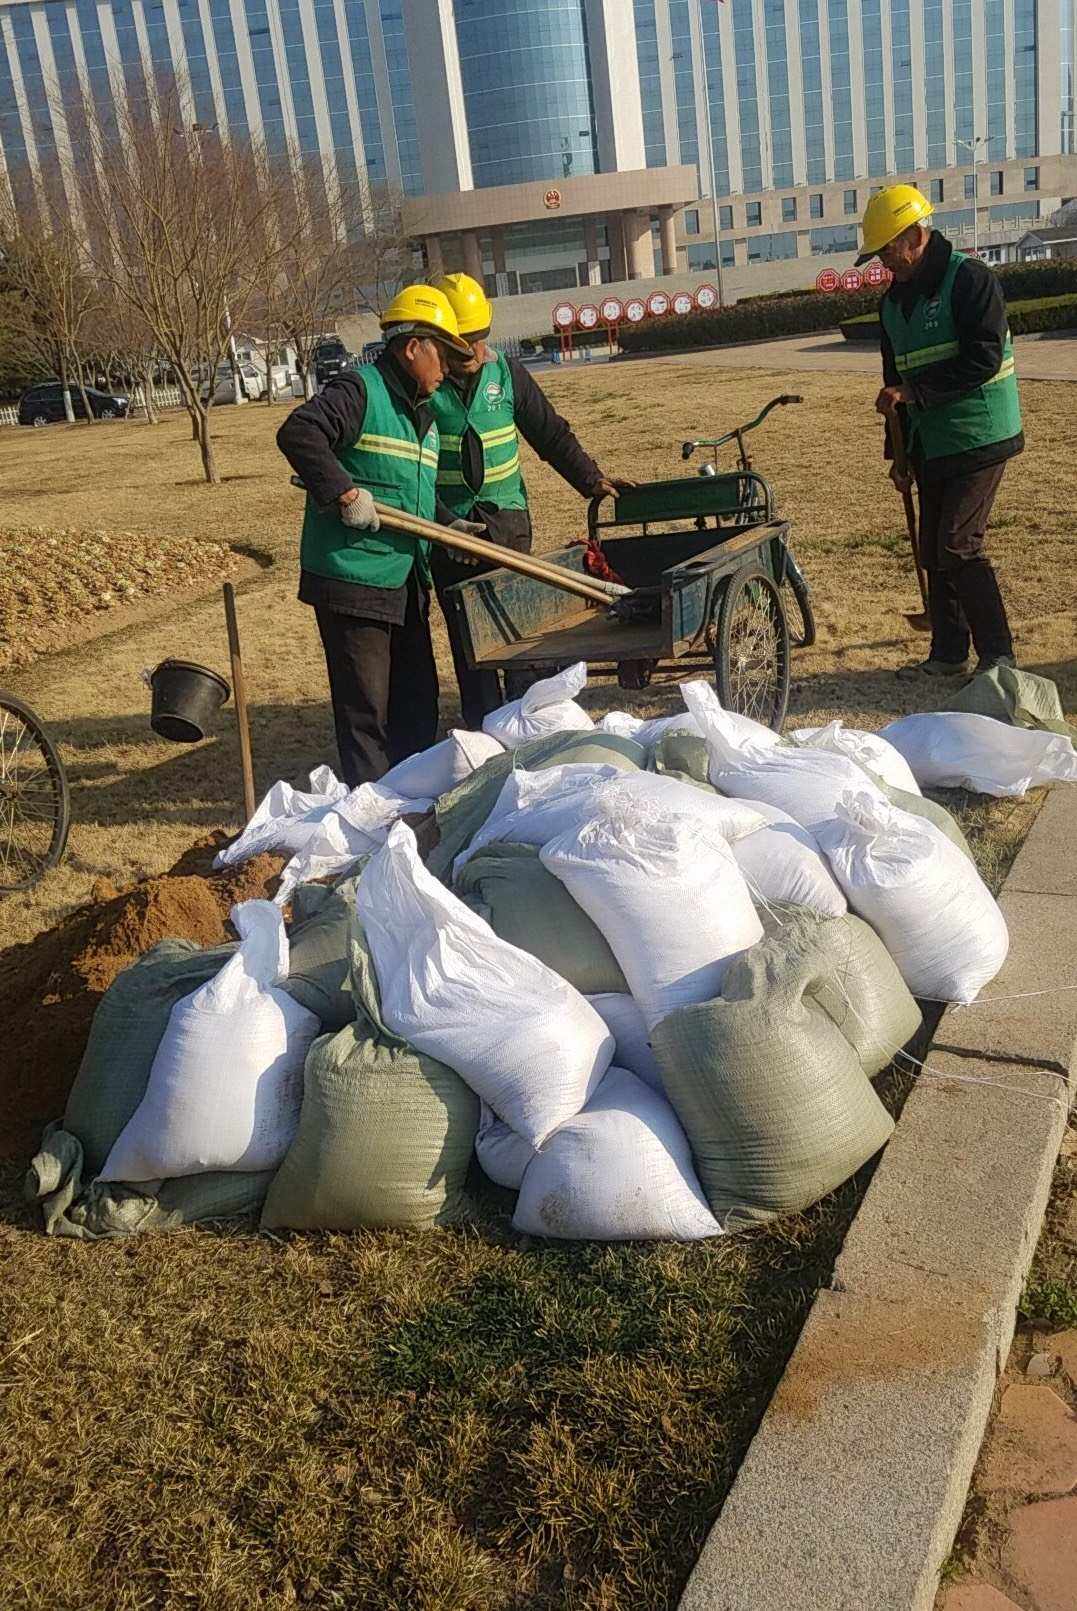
point(549, 144)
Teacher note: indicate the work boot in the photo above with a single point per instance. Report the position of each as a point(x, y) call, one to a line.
point(991, 661)
point(933, 668)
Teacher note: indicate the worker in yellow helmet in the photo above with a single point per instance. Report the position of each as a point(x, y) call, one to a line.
point(487, 404)
point(372, 435)
point(949, 385)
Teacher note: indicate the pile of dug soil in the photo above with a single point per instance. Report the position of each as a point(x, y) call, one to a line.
point(50, 987)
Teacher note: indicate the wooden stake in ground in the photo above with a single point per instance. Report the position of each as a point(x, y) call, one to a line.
point(240, 691)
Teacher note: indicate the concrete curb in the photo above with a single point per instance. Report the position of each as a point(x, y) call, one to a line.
point(853, 1487)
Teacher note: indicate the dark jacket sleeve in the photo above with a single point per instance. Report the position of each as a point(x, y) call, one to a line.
point(314, 431)
point(980, 316)
point(552, 438)
point(891, 377)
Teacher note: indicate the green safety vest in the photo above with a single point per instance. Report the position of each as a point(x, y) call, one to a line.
point(990, 413)
point(392, 464)
point(491, 414)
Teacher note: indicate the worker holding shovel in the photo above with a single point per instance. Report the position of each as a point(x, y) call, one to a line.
point(371, 435)
point(486, 405)
point(950, 399)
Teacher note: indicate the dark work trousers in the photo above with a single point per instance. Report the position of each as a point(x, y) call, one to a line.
point(963, 592)
point(384, 685)
point(480, 691)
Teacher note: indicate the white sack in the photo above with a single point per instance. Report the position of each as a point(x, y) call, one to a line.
point(954, 749)
point(783, 865)
point(432, 772)
point(285, 818)
point(522, 1037)
point(866, 749)
point(502, 1153)
point(632, 1047)
point(665, 891)
point(648, 733)
point(805, 783)
point(548, 706)
point(534, 807)
point(226, 1083)
point(353, 829)
point(924, 899)
point(746, 730)
point(619, 1171)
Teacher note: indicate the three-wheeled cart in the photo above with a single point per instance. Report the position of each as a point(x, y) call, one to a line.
point(710, 567)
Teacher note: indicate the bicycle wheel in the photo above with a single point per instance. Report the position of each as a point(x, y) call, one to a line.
point(798, 584)
point(751, 651)
point(35, 807)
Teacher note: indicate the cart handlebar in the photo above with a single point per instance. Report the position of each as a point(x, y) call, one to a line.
point(688, 448)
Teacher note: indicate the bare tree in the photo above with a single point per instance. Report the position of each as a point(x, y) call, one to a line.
point(384, 254)
point(122, 343)
point(185, 210)
point(50, 295)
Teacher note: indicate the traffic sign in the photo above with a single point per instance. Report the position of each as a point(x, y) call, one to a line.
point(683, 303)
point(852, 280)
point(613, 310)
point(564, 316)
point(877, 274)
point(587, 317)
point(635, 310)
point(706, 297)
point(828, 280)
point(658, 304)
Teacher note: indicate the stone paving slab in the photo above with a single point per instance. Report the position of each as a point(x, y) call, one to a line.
point(853, 1487)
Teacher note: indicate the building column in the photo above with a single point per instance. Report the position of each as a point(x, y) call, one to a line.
point(618, 261)
point(670, 263)
point(740, 254)
point(469, 242)
point(435, 261)
point(590, 251)
point(638, 245)
point(803, 243)
point(498, 244)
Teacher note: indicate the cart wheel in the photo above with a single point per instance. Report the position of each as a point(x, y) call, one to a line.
point(751, 654)
point(35, 809)
point(805, 636)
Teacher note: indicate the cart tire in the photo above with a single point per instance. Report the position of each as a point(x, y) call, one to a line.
point(751, 651)
point(35, 804)
point(803, 638)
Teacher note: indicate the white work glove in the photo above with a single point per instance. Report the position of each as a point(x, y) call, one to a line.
point(359, 512)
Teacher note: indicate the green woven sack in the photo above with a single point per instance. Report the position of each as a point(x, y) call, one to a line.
point(1019, 698)
point(531, 909)
point(462, 812)
point(127, 1027)
point(319, 939)
point(386, 1134)
point(770, 1092)
point(682, 754)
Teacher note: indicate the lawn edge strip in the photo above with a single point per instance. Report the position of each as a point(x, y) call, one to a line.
point(855, 1483)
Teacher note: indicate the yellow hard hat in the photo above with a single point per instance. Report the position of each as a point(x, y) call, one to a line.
point(469, 302)
point(426, 311)
point(889, 212)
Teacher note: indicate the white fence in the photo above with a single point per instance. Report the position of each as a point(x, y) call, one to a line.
point(9, 415)
point(163, 397)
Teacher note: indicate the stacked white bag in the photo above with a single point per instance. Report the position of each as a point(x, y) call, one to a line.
point(522, 1037)
point(353, 829)
point(534, 807)
point(632, 1047)
point(621, 1170)
point(783, 866)
point(548, 706)
point(868, 750)
point(666, 893)
point(285, 818)
point(433, 772)
point(960, 750)
point(924, 899)
point(226, 1084)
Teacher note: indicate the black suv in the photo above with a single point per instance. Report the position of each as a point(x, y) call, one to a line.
point(330, 358)
point(44, 404)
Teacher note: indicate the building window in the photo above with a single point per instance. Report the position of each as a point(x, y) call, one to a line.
point(725, 218)
point(772, 248)
point(691, 220)
point(816, 203)
point(1032, 178)
point(851, 202)
point(937, 190)
point(789, 209)
point(700, 255)
point(970, 187)
point(753, 214)
point(996, 182)
point(728, 254)
point(842, 238)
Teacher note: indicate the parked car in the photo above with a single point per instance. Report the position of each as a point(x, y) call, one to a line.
point(44, 404)
point(330, 357)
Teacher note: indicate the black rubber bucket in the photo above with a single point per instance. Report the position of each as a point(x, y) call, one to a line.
point(186, 697)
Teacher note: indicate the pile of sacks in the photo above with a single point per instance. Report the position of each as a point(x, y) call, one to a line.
point(646, 977)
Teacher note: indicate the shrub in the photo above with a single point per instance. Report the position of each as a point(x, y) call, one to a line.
point(1028, 315)
point(749, 321)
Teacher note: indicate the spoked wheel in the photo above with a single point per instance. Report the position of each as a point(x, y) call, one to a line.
point(35, 809)
point(803, 636)
point(751, 650)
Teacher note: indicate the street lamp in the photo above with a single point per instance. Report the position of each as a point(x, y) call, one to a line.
point(710, 151)
point(972, 146)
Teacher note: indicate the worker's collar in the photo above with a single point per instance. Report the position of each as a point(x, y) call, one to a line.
point(398, 378)
point(930, 272)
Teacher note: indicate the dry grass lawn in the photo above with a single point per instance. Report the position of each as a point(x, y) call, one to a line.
point(460, 1421)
